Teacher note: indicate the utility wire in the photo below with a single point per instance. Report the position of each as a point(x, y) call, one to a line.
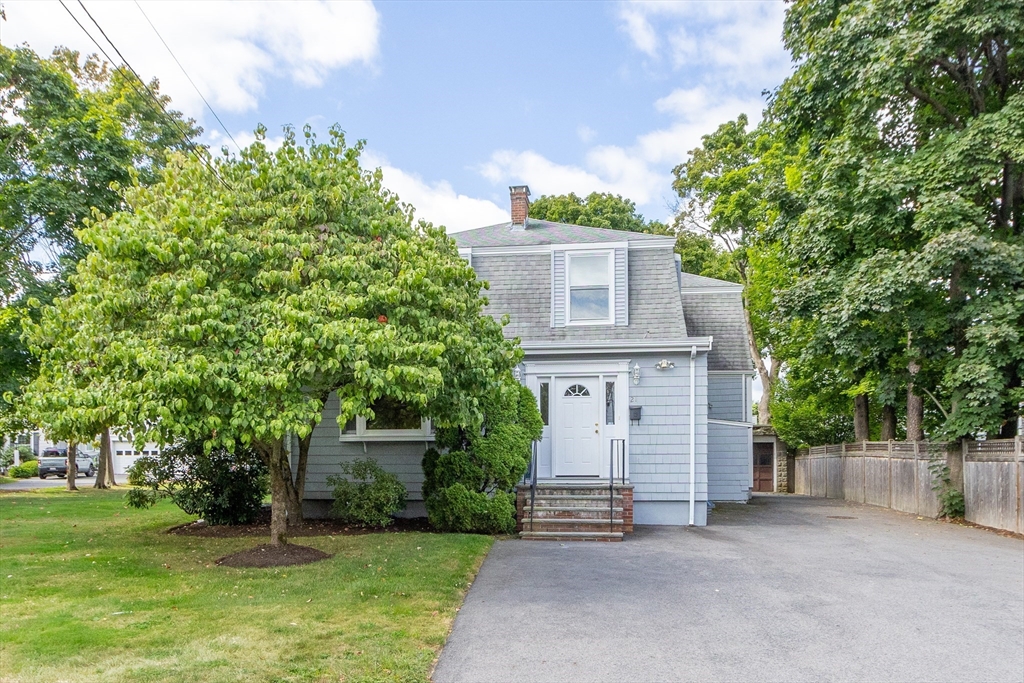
point(194, 86)
point(184, 136)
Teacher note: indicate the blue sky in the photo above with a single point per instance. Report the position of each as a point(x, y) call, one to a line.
point(458, 100)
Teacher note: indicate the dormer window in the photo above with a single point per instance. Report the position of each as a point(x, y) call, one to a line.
point(589, 288)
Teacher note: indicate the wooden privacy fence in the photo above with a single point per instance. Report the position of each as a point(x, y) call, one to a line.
point(897, 475)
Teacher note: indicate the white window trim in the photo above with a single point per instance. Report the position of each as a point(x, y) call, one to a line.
point(609, 254)
point(363, 434)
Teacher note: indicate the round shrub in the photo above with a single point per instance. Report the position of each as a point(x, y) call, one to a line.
point(221, 487)
point(470, 475)
point(25, 470)
point(366, 494)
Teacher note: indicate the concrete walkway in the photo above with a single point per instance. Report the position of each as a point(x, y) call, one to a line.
point(783, 589)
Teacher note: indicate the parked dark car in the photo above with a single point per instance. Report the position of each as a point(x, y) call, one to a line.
point(55, 461)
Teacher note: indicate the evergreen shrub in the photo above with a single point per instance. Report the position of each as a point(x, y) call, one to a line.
point(221, 487)
point(366, 494)
point(471, 474)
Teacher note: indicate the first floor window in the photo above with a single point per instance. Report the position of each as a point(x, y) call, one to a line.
point(545, 390)
point(391, 414)
point(609, 403)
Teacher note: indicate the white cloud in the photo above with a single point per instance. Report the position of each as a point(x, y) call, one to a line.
point(732, 42)
point(229, 49)
point(437, 202)
point(728, 52)
point(585, 133)
point(641, 171)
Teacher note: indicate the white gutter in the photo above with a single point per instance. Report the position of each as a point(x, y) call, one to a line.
point(577, 347)
point(693, 432)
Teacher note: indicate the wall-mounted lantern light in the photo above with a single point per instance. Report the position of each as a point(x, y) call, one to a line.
point(517, 373)
point(636, 373)
point(664, 364)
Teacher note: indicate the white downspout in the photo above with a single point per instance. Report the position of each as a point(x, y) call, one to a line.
point(693, 432)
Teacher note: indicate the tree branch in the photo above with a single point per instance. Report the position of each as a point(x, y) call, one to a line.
point(939, 405)
point(933, 103)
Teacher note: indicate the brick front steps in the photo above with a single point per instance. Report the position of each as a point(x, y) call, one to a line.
point(574, 512)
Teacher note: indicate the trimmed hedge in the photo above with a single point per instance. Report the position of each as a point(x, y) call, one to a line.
point(25, 470)
point(471, 473)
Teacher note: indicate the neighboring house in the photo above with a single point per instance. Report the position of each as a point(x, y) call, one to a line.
point(123, 451)
point(641, 372)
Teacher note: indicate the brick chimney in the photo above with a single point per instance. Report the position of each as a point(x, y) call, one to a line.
point(520, 196)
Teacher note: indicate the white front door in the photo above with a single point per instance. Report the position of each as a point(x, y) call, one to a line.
point(577, 427)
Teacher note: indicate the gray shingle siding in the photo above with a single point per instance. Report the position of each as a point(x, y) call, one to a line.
point(521, 285)
point(404, 459)
point(729, 462)
point(659, 462)
point(718, 314)
point(725, 398)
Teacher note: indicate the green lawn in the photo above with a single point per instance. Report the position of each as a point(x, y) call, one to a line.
point(93, 591)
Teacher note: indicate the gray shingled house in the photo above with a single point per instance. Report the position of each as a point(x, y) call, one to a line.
point(642, 374)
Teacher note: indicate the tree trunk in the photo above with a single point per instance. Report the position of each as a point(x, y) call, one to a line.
point(915, 415)
point(888, 423)
point(101, 471)
point(861, 422)
point(105, 437)
point(299, 489)
point(764, 411)
point(72, 474)
point(278, 494)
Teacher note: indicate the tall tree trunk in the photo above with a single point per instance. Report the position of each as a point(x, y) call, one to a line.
point(278, 494)
point(915, 415)
point(888, 422)
point(72, 474)
point(294, 501)
point(861, 421)
point(101, 472)
point(764, 411)
point(110, 480)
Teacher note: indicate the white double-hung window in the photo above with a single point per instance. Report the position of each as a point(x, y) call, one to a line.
point(589, 290)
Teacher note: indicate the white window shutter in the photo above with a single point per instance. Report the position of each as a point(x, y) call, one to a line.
point(558, 289)
point(621, 287)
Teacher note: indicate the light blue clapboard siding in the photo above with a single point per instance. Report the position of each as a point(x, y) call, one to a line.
point(659, 459)
point(327, 452)
point(729, 462)
point(725, 396)
point(558, 289)
point(621, 287)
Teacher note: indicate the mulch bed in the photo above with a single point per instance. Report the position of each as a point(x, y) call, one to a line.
point(285, 555)
point(313, 527)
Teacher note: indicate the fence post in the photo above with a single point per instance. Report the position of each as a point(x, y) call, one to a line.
point(1018, 452)
point(888, 458)
point(917, 485)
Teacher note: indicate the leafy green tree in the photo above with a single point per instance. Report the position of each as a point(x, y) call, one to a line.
point(596, 210)
point(71, 131)
point(471, 474)
point(243, 299)
point(730, 189)
point(909, 239)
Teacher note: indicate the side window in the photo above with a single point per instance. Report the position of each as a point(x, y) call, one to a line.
point(545, 392)
point(392, 420)
point(609, 403)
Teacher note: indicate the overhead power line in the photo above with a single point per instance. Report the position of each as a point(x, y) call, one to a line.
point(194, 86)
point(184, 135)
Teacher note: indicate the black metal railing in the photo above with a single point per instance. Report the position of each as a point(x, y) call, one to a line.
point(617, 447)
point(533, 482)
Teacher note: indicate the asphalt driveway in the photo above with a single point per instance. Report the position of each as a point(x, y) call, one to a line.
point(783, 589)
